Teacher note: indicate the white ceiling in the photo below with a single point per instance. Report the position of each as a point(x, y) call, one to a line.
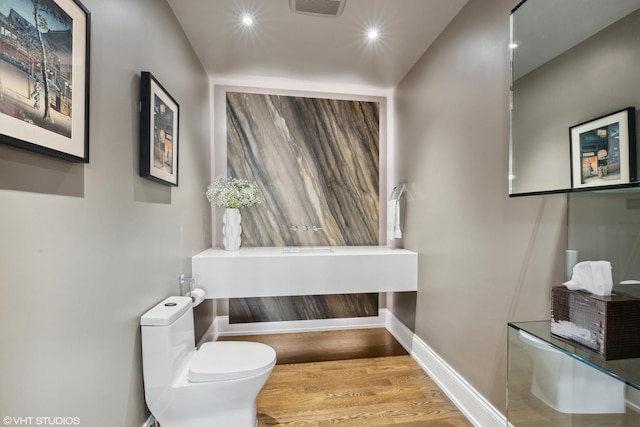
point(284, 44)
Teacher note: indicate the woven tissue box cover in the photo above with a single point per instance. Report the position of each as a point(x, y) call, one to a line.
point(606, 325)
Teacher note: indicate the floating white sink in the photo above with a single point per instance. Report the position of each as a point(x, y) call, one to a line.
point(277, 271)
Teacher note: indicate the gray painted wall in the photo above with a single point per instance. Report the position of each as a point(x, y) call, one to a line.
point(86, 249)
point(484, 259)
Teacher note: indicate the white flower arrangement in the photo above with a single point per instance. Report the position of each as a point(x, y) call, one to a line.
point(233, 193)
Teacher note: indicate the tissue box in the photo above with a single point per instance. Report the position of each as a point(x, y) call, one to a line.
point(606, 325)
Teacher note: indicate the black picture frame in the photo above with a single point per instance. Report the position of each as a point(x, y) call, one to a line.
point(159, 132)
point(49, 115)
point(603, 150)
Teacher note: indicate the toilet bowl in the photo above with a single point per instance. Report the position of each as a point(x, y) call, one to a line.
point(568, 385)
point(216, 385)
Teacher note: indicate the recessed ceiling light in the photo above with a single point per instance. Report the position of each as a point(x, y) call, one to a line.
point(373, 34)
point(247, 20)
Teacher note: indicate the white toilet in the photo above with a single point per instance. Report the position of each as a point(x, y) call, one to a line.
point(568, 385)
point(216, 385)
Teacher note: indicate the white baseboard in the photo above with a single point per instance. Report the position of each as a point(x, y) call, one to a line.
point(222, 327)
point(471, 403)
point(399, 331)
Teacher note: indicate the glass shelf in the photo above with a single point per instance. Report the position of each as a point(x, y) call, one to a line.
point(553, 383)
point(626, 370)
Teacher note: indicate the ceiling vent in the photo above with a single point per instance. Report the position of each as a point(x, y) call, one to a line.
point(318, 7)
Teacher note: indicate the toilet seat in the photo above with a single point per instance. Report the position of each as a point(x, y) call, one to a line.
point(230, 360)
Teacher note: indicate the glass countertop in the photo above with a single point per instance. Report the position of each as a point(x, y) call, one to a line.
point(627, 370)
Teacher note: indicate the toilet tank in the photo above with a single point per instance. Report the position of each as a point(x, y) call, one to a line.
point(167, 340)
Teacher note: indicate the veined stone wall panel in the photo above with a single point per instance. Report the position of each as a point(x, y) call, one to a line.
point(316, 162)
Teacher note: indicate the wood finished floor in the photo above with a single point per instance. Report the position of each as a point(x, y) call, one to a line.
point(304, 347)
point(356, 378)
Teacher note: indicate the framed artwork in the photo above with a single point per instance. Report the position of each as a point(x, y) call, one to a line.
point(159, 131)
point(44, 77)
point(603, 150)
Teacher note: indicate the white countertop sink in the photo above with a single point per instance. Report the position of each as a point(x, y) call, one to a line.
point(277, 271)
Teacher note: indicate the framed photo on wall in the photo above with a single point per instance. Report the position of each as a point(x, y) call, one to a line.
point(159, 131)
point(603, 150)
point(44, 77)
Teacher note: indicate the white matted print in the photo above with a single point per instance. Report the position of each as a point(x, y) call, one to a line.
point(44, 77)
point(603, 150)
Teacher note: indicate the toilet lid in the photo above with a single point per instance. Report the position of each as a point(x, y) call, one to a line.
point(229, 360)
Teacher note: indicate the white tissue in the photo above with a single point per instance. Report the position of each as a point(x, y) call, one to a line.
point(197, 296)
point(592, 276)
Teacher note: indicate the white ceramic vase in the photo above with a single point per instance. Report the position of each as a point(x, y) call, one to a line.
point(231, 230)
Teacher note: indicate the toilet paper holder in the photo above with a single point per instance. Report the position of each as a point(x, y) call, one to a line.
point(197, 295)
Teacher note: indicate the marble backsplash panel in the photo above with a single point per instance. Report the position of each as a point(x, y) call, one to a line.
point(304, 307)
point(316, 162)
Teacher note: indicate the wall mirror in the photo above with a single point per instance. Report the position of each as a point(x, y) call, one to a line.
point(572, 62)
